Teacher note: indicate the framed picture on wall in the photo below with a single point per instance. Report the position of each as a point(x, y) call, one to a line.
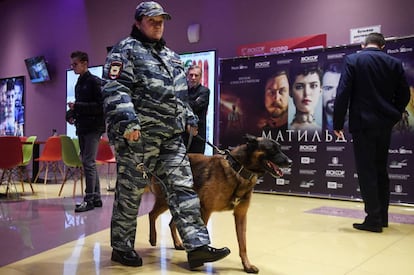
point(38, 69)
point(12, 116)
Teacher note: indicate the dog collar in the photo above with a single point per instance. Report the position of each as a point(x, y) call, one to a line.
point(238, 168)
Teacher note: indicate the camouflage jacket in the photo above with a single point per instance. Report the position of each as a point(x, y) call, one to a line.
point(146, 89)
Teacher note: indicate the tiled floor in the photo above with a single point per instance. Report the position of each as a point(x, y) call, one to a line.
point(40, 234)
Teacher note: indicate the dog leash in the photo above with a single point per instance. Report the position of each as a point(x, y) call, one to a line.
point(220, 151)
point(234, 163)
point(142, 168)
point(190, 140)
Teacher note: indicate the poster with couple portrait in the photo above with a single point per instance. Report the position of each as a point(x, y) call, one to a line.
point(277, 94)
point(290, 98)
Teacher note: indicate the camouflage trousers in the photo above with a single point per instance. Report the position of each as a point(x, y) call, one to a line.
point(167, 159)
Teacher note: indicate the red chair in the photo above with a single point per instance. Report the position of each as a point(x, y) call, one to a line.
point(50, 156)
point(12, 156)
point(105, 155)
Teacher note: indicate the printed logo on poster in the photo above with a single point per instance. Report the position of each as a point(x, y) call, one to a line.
point(401, 151)
point(398, 176)
point(307, 160)
point(281, 182)
point(335, 148)
point(285, 147)
point(286, 170)
point(398, 164)
point(309, 59)
point(402, 49)
point(278, 49)
point(335, 56)
point(259, 181)
point(307, 172)
point(253, 50)
point(239, 67)
point(308, 148)
point(335, 173)
point(332, 185)
point(307, 184)
point(262, 65)
point(404, 151)
point(284, 61)
point(335, 162)
point(398, 188)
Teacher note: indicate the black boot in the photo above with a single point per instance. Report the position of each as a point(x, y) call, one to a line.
point(97, 203)
point(84, 206)
point(130, 258)
point(367, 227)
point(205, 254)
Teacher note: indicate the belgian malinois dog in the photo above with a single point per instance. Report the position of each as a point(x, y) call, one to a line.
point(225, 182)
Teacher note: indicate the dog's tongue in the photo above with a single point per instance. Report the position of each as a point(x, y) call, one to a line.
point(275, 168)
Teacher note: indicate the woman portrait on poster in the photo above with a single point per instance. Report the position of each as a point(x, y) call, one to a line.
point(305, 91)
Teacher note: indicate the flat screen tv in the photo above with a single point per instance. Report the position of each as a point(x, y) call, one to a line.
point(207, 61)
point(12, 106)
point(37, 68)
point(71, 79)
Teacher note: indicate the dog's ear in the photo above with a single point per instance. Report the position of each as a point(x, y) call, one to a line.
point(250, 140)
point(248, 137)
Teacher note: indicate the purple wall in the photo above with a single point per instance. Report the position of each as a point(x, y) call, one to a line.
point(56, 28)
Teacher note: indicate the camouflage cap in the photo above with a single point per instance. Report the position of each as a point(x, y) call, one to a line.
point(150, 8)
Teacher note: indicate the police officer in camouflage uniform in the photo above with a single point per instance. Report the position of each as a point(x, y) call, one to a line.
point(146, 112)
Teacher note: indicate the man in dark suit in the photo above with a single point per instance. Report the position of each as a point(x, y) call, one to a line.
point(198, 99)
point(374, 89)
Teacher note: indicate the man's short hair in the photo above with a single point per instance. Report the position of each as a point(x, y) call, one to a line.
point(193, 67)
point(376, 39)
point(82, 56)
point(278, 73)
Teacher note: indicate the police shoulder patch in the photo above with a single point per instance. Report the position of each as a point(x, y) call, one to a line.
point(115, 69)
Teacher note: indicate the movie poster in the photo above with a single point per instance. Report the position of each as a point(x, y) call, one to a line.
point(12, 106)
point(265, 96)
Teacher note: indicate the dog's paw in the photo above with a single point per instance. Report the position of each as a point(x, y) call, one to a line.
point(179, 246)
point(250, 269)
point(153, 242)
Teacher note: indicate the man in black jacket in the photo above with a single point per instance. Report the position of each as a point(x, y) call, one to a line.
point(198, 99)
point(374, 89)
point(89, 122)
